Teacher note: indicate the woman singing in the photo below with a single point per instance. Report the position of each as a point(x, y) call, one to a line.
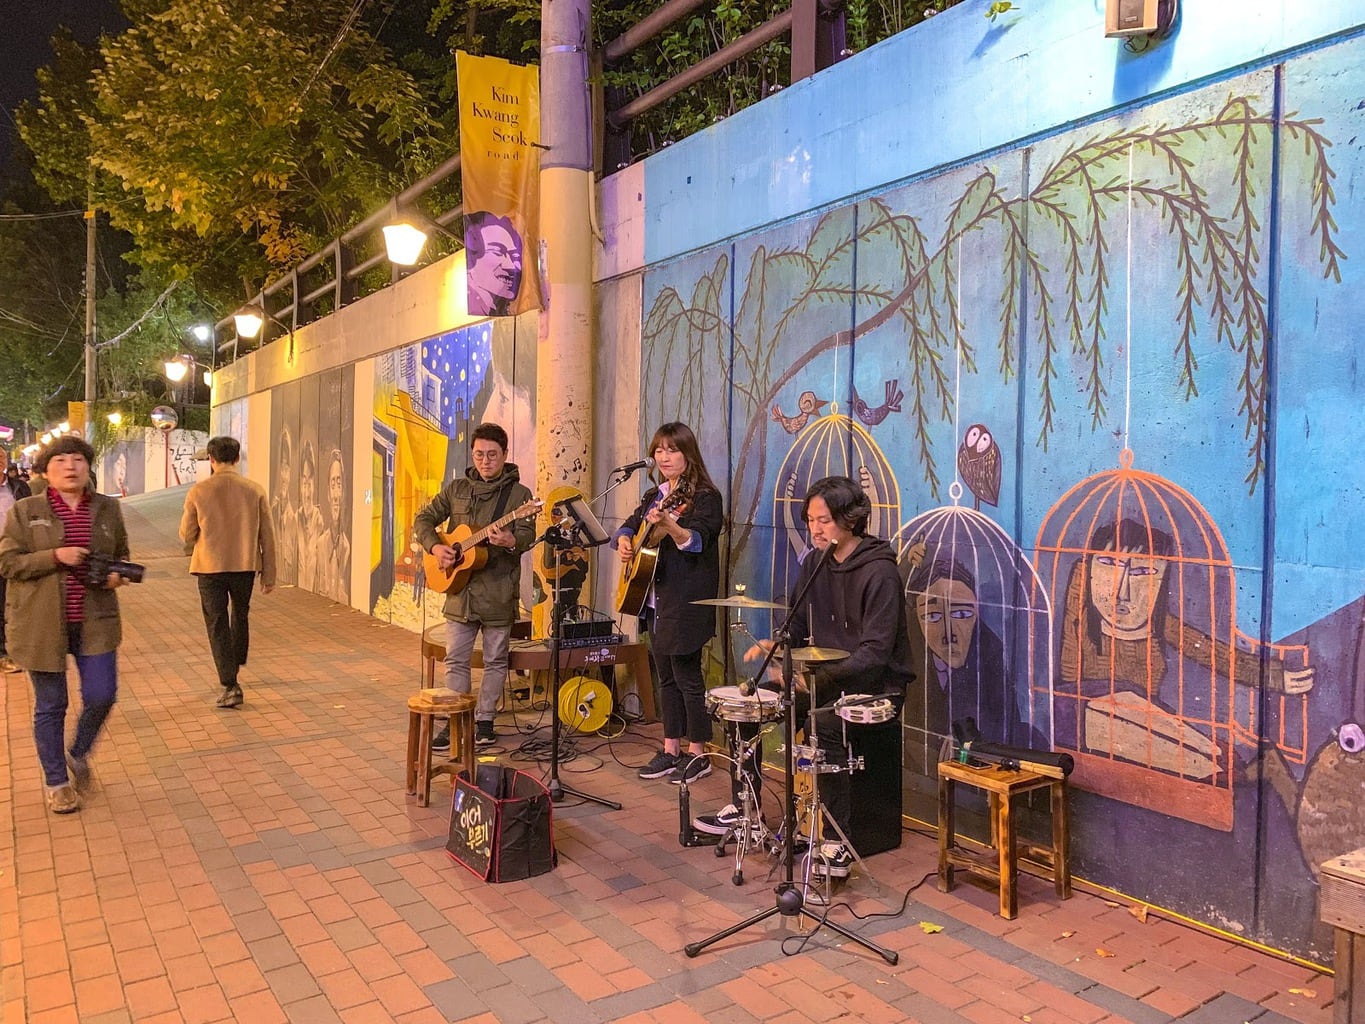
point(686, 506)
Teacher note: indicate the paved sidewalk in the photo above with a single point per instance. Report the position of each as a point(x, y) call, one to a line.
point(264, 865)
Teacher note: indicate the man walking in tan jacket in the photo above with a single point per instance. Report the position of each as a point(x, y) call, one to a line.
point(226, 528)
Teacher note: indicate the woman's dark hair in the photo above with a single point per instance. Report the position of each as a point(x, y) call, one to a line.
point(67, 444)
point(308, 461)
point(680, 436)
point(1127, 535)
point(849, 507)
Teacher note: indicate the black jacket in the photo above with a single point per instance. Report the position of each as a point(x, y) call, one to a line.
point(856, 606)
point(681, 577)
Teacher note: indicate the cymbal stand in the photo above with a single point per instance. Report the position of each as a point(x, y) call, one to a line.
point(789, 898)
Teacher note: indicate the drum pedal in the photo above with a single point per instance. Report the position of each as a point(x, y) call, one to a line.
point(687, 835)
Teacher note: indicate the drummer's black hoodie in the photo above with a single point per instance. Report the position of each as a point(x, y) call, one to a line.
point(856, 606)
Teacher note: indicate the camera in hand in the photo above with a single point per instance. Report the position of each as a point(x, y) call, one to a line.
point(98, 567)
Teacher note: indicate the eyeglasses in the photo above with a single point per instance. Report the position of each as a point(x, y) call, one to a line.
point(487, 456)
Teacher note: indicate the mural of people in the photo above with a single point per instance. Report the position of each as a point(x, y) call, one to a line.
point(960, 664)
point(310, 526)
point(493, 269)
point(285, 515)
point(1139, 681)
point(332, 552)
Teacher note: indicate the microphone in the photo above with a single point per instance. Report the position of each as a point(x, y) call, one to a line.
point(629, 468)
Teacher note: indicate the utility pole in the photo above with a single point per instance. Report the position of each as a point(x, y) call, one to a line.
point(564, 360)
point(89, 431)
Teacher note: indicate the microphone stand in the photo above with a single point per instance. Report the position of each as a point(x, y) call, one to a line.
point(559, 541)
point(790, 900)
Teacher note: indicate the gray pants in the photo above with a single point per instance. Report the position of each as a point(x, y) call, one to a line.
point(460, 638)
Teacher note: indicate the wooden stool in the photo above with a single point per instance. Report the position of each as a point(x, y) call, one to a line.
point(1001, 785)
point(422, 714)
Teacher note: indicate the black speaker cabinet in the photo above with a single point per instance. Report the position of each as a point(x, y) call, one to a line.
point(875, 792)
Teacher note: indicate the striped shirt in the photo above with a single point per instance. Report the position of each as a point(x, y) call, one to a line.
point(77, 525)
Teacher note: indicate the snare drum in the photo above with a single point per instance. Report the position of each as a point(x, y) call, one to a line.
point(727, 704)
point(863, 709)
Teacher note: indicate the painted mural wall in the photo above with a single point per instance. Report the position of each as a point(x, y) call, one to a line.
point(1101, 390)
point(151, 460)
point(428, 398)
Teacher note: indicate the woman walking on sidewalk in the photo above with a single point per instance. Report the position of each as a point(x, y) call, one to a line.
point(52, 610)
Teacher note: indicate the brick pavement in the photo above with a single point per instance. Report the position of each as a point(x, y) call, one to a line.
point(265, 866)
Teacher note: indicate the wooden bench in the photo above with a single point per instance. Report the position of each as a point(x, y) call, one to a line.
point(1001, 786)
point(534, 656)
point(422, 714)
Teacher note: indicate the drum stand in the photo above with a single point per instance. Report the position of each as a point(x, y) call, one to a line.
point(790, 899)
point(817, 814)
point(750, 830)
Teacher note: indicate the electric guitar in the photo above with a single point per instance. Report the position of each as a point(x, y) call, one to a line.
point(638, 575)
point(471, 553)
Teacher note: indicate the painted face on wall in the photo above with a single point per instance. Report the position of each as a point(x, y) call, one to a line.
point(1123, 587)
point(947, 612)
point(306, 487)
point(282, 475)
point(334, 486)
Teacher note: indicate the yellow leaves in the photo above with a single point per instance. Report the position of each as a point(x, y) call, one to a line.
point(929, 928)
point(1067, 935)
point(1307, 993)
point(1140, 912)
point(1100, 951)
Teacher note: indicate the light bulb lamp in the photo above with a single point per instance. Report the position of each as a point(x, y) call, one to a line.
point(250, 320)
point(405, 238)
point(115, 418)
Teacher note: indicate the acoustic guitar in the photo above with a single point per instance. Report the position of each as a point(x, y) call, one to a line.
point(471, 553)
point(638, 575)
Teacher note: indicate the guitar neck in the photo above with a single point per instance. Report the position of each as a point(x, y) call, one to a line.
point(486, 532)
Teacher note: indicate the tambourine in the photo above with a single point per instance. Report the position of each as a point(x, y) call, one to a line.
point(864, 709)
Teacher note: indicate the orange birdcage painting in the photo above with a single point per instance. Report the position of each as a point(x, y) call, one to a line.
point(1155, 686)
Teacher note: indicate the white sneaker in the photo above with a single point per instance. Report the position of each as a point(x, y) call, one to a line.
point(719, 823)
point(833, 860)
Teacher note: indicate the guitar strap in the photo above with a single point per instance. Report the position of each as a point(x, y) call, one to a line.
point(502, 502)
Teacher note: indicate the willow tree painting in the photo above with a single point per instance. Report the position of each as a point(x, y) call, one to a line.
point(1057, 263)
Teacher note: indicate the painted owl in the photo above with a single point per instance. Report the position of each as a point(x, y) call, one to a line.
point(978, 463)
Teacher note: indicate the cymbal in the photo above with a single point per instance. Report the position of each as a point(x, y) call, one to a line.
point(739, 601)
point(814, 654)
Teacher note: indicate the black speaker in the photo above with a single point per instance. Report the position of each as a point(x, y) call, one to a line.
point(875, 792)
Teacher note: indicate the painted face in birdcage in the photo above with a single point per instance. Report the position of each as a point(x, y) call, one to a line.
point(947, 612)
point(1124, 587)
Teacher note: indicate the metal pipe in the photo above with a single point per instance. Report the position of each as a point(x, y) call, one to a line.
point(745, 44)
point(649, 27)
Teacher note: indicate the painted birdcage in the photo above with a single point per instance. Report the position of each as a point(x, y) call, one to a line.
point(980, 634)
point(1155, 685)
point(833, 445)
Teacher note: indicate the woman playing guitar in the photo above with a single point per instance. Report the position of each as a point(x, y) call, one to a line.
point(683, 515)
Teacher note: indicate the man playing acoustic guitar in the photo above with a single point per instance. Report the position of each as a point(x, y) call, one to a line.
point(489, 489)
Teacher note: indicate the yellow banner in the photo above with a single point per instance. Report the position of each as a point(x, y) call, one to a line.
point(500, 171)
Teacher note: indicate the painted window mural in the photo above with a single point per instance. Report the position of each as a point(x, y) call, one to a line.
point(1066, 378)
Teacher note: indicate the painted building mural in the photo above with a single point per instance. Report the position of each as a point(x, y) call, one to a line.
point(148, 459)
point(1075, 381)
point(428, 398)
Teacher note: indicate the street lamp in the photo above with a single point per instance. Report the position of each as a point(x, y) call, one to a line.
point(249, 321)
point(178, 368)
point(404, 239)
point(201, 332)
point(115, 418)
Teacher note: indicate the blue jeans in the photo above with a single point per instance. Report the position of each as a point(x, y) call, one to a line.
point(99, 690)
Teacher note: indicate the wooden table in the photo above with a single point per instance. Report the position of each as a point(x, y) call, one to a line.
point(534, 656)
point(1001, 786)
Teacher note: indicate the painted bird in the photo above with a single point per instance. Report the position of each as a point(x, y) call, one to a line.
point(978, 463)
point(809, 406)
point(872, 417)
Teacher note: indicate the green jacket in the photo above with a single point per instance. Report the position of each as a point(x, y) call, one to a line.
point(492, 594)
point(35, 615)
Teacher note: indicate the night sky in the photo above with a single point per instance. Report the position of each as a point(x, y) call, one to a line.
point(27, 27)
